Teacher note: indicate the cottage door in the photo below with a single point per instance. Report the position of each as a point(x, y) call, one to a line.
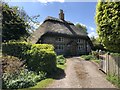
point(74, 48)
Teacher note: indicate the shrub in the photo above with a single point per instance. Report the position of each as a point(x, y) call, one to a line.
point(95, 54)
point(11, 64)
point(87, 57)
point(42, 58)
point(17, 49)
point(38, 57)
point(23, 79)
point(60, 60)
point(97, 61)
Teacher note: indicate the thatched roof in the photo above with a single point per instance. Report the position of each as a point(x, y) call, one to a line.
point(55, 25)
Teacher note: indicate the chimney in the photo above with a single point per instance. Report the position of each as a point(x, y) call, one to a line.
point(61, 14)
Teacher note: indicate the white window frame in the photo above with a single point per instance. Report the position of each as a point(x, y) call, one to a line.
point(80, 47)
point(60, 47)
point(60, 39)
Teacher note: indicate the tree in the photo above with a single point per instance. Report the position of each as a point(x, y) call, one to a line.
point(97, 44)
point(32, 21)
point(82, 27)
point(13, 26)
point(108, 24)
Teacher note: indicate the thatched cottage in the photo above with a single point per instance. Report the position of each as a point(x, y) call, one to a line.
point(63, 35)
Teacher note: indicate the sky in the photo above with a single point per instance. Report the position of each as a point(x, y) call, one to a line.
point(75, 12)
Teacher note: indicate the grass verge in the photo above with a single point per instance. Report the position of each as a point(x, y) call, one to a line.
point(96, 61)
point(114, 80)
point(42, 84)
point(46, 82)
point(90, 57)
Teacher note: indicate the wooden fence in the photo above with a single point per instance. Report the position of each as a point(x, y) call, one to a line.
point(110, 64)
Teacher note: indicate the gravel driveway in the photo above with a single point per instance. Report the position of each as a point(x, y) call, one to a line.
point(81, 74)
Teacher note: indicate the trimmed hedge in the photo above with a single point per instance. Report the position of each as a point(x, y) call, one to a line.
point(42, 58)
point(38, 57)
point(17, 49)
point(43, 46)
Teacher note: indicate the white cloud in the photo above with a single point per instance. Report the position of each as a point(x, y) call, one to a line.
point(91, 28)
point(91, 34)
point(83, 24)
point(46, 1)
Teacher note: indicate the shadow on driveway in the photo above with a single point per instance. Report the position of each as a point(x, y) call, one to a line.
point(58, 74)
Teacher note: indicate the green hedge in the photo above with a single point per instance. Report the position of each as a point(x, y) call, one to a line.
point(42, 58)
point(43, 46)
point(39, 57)
point(17, 49)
